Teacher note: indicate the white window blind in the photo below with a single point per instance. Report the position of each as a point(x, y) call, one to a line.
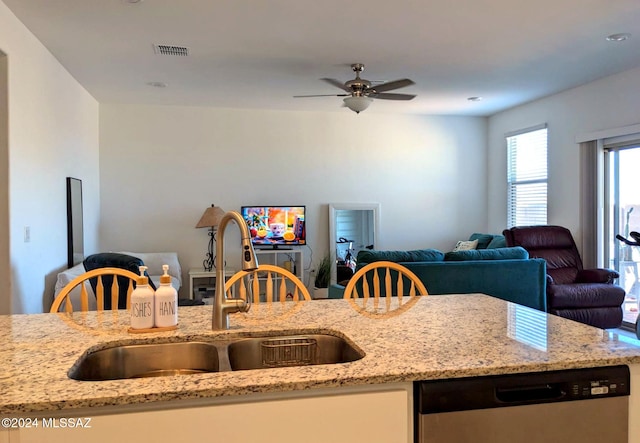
point(527, 177)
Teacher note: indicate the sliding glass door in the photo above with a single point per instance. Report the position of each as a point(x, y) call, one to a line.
point(622, 191)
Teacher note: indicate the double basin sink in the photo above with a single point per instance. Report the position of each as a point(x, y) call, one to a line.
point(202, 356)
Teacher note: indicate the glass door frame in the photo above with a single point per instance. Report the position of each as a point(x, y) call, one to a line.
point(612, 216)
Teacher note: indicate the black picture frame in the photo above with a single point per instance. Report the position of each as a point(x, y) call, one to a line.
point(75, 228)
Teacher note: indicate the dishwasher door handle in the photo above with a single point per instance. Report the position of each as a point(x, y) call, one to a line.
point(525, 394)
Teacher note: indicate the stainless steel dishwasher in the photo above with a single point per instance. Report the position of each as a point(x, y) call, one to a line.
point(578, 405)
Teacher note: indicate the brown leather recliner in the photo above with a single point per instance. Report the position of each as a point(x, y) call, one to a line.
point(584, 295)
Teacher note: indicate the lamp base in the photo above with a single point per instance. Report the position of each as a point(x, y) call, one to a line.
point(210, 262)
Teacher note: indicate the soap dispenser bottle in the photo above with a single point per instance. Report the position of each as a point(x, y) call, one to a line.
point(166, 302)
point(142, 303)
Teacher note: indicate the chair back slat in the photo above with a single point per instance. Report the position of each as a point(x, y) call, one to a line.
point(84, 298)
point(100, 294)
point(282, 291)
point(376, 284)
point(400, 290)
point(255, 290)
point(115, 290)
point(365, 290)
point(388, 288)
point(269, 288)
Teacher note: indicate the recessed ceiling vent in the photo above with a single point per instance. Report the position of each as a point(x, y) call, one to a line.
point(181, 51)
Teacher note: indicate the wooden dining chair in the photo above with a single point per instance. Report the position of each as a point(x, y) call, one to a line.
point(384, 279)
point(102, 286)
point(269, 283)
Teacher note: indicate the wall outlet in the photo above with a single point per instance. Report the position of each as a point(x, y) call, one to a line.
point(27, 234)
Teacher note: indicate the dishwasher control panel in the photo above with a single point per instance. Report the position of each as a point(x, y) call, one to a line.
point(600, 387)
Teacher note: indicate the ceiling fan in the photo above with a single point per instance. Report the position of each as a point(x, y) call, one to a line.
point(360, 92)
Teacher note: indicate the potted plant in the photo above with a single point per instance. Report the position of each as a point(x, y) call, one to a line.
point(323, 277)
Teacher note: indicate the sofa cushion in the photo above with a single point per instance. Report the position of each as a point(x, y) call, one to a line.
point(420, 255)
point(513, 253)
point(604, 318)
point(584, 295)
point(483, 239)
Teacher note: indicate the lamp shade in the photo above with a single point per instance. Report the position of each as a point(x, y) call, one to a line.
point(358, 103)
point(211, 217)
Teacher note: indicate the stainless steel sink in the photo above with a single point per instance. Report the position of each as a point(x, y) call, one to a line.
point(147, 360)
point(192, 357)
point(295, 350)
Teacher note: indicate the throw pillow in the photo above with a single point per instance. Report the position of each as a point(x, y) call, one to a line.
point(483, 239)
point(465, 245)
point(498, 242)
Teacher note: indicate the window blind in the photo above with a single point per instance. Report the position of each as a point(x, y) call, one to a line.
point(527, 177)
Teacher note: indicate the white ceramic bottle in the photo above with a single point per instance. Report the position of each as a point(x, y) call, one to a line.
point(142, 303)
point(166, 302)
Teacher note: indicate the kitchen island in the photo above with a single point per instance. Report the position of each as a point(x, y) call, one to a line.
point(438, 337)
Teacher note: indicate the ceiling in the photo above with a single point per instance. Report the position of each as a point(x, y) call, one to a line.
point(259, 54)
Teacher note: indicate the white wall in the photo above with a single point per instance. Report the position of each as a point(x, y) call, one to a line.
point(610, 102)
point(5, 275)
point(160, 167)
point(53, 133)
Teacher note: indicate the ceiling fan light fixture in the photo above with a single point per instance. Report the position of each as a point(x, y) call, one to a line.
point(358, 103)
point(619, 37)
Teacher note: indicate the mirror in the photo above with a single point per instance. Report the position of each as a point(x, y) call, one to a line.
point(75, 232)
point(352, 227)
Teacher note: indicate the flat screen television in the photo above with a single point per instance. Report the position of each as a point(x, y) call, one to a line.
point(275, 226)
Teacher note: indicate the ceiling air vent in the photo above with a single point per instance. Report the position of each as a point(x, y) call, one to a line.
point(171, 50)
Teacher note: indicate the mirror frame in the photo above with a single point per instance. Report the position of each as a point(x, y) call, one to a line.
point(75, 229)
point(333, 207)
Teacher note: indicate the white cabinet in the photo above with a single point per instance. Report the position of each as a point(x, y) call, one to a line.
point(374, 414)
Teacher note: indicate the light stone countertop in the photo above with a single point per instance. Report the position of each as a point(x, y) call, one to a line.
point(438, 337)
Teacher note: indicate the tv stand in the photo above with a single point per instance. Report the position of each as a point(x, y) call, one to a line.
point(280, 256)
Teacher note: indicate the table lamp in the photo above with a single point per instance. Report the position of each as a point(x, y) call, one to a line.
point(210, 219)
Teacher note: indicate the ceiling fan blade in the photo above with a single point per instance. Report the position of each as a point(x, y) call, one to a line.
point(396, 84)
point(336, 83)
point(322, 95)
point(392, 96)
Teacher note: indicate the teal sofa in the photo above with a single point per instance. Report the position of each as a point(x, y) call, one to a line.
point(506, 273)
